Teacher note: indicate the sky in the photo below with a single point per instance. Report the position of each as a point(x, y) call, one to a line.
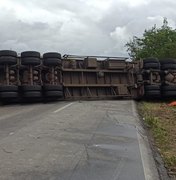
point(81, 27)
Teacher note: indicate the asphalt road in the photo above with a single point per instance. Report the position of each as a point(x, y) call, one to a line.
point(94, 140)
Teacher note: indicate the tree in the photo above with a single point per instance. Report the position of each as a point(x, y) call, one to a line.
point(155, 42)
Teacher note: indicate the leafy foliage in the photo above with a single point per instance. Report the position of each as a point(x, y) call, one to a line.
point(155, 42)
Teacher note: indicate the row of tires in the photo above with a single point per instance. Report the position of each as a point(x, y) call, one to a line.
point(8, 57)
point(163, 64)
point(29, 63)
point(157, 91)
point(30, 92)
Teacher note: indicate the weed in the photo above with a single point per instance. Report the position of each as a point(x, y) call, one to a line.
point(160, 120)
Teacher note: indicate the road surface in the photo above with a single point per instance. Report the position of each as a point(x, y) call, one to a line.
point(87, 140)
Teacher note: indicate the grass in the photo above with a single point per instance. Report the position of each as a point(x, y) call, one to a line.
point(160, 119)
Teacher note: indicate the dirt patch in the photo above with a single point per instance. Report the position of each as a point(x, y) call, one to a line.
point(160, 120)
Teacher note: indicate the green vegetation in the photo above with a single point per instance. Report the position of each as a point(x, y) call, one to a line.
point(155, 42)
point(160, 119)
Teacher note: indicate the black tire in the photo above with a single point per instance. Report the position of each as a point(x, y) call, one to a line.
point(8, 60)
point(169, 88)
point(52, 62)
point(153, 93)
point(23, 67)
point(8, 53)
point(30, 54)
point(151, 66)
point(8, 94)
point(53, 94)
point(150, 60)
point(32, 94)
point(168, 61)
point(30, 61)
point(169, 93)
point(168, 66)
point(52, 55)
point(50, 87)
point(152, 87)
point(8, 88)
point(31, 88)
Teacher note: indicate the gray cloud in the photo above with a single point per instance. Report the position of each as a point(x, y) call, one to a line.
point(85, 27)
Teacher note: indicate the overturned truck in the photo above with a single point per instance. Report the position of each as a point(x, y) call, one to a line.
point(32, 76)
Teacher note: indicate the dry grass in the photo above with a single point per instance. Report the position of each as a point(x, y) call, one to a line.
point(161, 122)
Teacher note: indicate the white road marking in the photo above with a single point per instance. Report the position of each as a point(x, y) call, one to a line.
point(149, 166)
point(146, 168)
point(60, 109)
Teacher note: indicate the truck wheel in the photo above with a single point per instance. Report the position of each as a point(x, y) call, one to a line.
point(52, 62)
point(52, 55)
point(150, 60)
point(54, 94)
point(168, 61)
point(8, 94)
point(151, 66)
point(169, 88)
point(152, 93)
point(168, 66)
point(30, 61)
point(31, 88)
point(169, 93)
point(8, 53)
point(30, 54)
point(151, 87)
point(8, 60)
point(8, 88)
point(50, 87)
point(32, 94)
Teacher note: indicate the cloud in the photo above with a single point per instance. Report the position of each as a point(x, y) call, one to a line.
point(84, 27)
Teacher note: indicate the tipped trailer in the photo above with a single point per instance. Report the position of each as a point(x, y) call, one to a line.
point(100, 77)
point(71, 77)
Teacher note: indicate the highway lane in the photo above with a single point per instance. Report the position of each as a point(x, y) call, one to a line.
point(85, 140)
